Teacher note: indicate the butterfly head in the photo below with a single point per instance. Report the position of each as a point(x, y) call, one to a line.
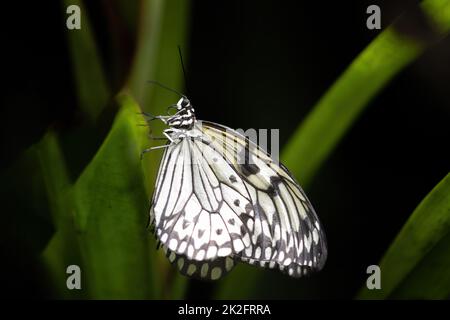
point(183, 103)
point(185, 117)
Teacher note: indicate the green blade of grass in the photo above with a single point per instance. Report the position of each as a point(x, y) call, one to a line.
point(335, 112)
point(339, 107)
point(62, 250)
point(421, 245)
point(92, 88)
point(27, 224)
point(93, 94)
point(125, 269)
point(110, 213)
point(157, 59)
point(145, 59)
point(48, 180)
point(168, 70)
point(430, 279)
point(142, 70)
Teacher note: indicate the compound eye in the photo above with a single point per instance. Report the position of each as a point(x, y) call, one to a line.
point(184, 102)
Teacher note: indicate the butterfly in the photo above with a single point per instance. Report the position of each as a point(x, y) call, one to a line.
point(220, 199)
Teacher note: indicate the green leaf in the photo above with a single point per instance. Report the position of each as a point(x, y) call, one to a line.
point(416, 264)
point(168, 71)
point(101, 221)
point(335, 112)
point(92, 88)
point(110, 213)
point(62, 250)
point(145, 59)
point(163, 27)
point(340, 106)
point(430, 279)
point(439, 14)
point(93, 94)
point(27, 224)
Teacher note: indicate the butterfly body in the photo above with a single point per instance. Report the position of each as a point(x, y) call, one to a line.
point(184, 118)
point(219, 199)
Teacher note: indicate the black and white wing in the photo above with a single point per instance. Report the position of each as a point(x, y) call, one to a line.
point(202, 270)
point(219, 197)
point(284, 228)
point(194, 210)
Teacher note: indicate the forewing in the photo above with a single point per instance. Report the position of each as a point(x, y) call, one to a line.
point(192, 212)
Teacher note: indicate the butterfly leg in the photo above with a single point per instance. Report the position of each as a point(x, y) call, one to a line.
point(166, 134)
point(153, 137)
point(153, 148)
point(149, 117)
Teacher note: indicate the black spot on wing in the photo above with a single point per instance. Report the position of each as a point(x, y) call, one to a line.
point(272, 191)
point(248, 169)
point(195, 220)
point(201, 270)
point(245, 217)
point(207, 142)
point(275, 180)
point(245, 163)
point(274, 187)
point(260, 212)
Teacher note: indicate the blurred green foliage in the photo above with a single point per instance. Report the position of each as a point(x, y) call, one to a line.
point(336, 111)
point(416, 264)
point(341, 105)
point(87, 67)
point(100, 216)
point(109, 198)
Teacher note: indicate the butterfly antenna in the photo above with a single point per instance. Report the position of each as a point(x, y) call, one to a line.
point(166, 87)
point(182, 66)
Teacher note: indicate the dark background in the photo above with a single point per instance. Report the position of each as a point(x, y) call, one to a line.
point(250, 64)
